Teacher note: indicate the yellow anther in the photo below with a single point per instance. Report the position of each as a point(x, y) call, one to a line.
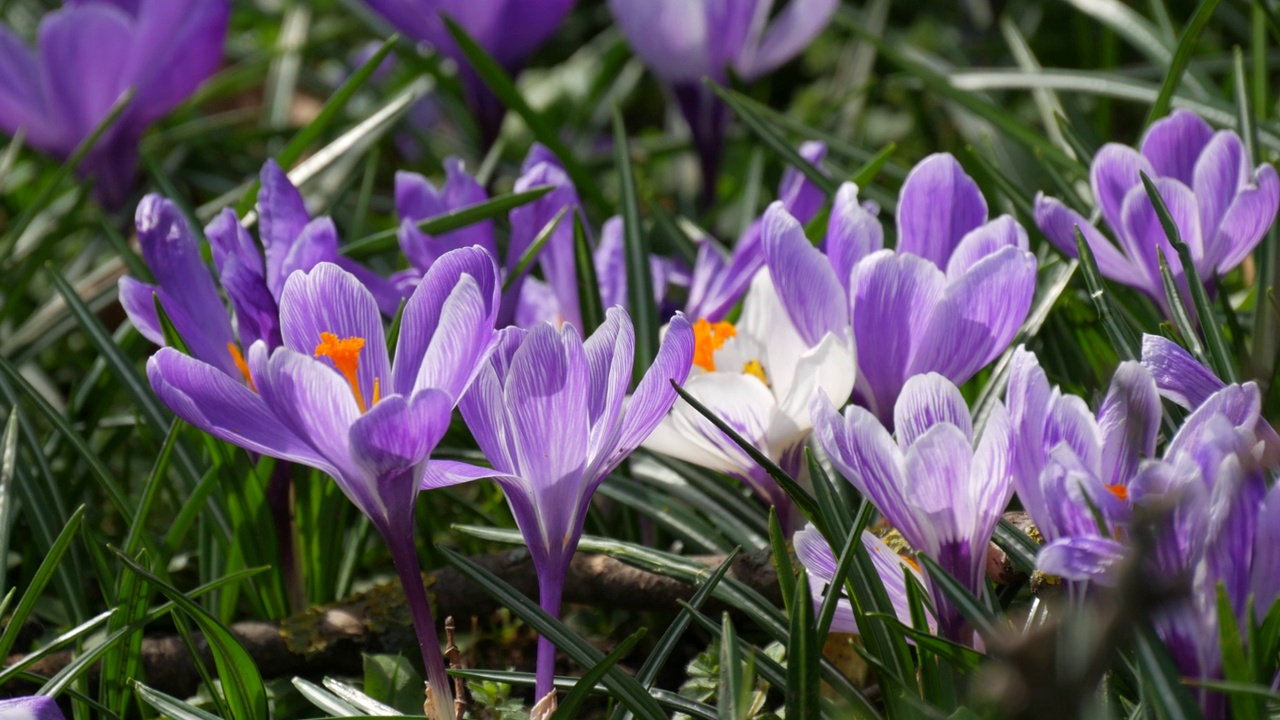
point(345, 354)
point(753, 367)
point(708, 338)
point(243, 366)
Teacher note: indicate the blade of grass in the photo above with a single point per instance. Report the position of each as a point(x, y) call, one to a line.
point(1122, 339)
point(639, 277)
point(1177, 306)
point(535, 247)
point(571, 706)
point(1181, 56)
point(782, 560)
point(44, 573)
point(588, 284)
point(764, 130)
point(8, 469)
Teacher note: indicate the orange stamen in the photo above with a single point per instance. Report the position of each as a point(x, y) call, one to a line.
point(345, 354)
point(1121, 492)
point(708, 338)
point(243, 366)
point(910, 561)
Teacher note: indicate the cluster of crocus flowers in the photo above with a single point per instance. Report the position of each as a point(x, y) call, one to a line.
point(552, 415)
point(509, 30)
point(58, 95)
point(684, 41)
point(1221, 205)
point(330, 398)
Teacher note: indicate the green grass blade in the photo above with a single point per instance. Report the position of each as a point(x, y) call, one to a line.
point(1122, 339)
point(732, 692)
point(1177, 306)
point(774, 140)
point(1162, 687)
point(973, 609)
point(782, 560)
point(1019, 546)
point(572, 703)
point(8, 470)
point(535, 247)
point(170, 706)
point(1235, 663)
point(803, 651)
point(588, 284)
point(1181, 57)
point(44, 573)
point(644, 315)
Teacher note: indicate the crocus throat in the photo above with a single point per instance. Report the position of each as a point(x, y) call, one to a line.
point(345, 354)
point(708, 338)
point(238, 358)
point(1120, 491)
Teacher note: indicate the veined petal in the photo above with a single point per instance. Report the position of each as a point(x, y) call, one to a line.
point(1129, 421)
point(852, 234)
point(610, 353)
point(1173, 144)
point(1241, 405)
point(447, 473)
point(654, 395)
point(978, 316)
point(1071, 423)
point(1112, 176)
point(283, 215)
point(1084, 558)
point(484, 405)
point(1028, 399)
point(991, 476)
point(315, 403)
point(831, 367)
point(1180, 377)
point(791, 30)
point(1246, 221)
point(394, 436)
point(929, 400)
point(329, 299)
point(941, 501)
point(1059, 222)
point(796, 191)
point(225, 408)
point(669, 35)
point(317, 243)
point(804, 279)
point(549, 379)
point(983, 241)
point(1220, 172)
point(893, 297)
point(1265, 568)
point(36, 707)
point(743, 402)
point(939, 204)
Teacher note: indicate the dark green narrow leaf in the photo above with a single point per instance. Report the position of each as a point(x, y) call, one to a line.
point(871, 168)
point(1122, 339)
point(241, 681)
point(44, 573)
point(732, 691)
point(572, 703)
point(836, 513)
point(1019, 546)
point(644, 313)
point(781, 559)
point(1162, 688)
point(8, 471)
point(973, 610)
point(775, 141)
point(535, 247)
point(667, 699)
point(1181, 57)
point(588, 284)
point(1178, 307)
point(170, 706)
point(624, 687)
point(447, 222)
point(803, 651)
point(847, 557)
point(1235, 663)
point(1217, 351)
point(793, 489)
point(497, 80)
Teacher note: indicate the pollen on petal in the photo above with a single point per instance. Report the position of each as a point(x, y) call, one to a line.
point(345, 354)
point(238, 358)
point(1120, 491)
point(708, 338)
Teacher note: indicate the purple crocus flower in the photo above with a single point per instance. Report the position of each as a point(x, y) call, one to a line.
point(291, 240)
point(816, 556)
point(331, 399)
point(1067, 462)
point(509, 30)
point(543, 373)
point(1222, 207)
point(35, 707)
point(951, 296)
point(88, 54)
point(944, 495)
point(684, 41)
point(759, 374)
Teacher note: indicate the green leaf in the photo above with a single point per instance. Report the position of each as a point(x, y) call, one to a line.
point(681, 521)
point(1019, 546)
point(1235, 663)
point(733, 690)
point(44, 573)
point(447, 222)
point(965, 658)
point(803, 652)
point(588, 284)
point(798, 494)
point(844, 563)
point(1186, 326)
point(241, 681)
point(764, 130)
point(1162, 689)
point(624, 687)
point(393, 680)
point(782, 559)
point(871, 168)
point(1122, 339)
point(973, 610)
point(535, 247)
point(491, 72)
point(1181, 56)
point(171, 706)
point(571, 706)
point(8, 470)
point(1218, 352)
point(365, 704)
point(644, 315)
point(664, 698)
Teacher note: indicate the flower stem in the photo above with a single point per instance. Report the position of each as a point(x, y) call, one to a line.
point(282, 500)
point(415, 593)
point(550, 590)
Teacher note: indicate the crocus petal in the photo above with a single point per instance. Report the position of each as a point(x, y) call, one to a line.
point(79, 87)
point(1221, 171)
point(893, 296)
point(21, 96)
point(484, 405)
point(803, 278)
point(557, 256)
point(417, 199)
point(817, 557)
point(1129, 420)
point(977, 316)
point(397, 434)
point(283, 215)
point(610, 353)
point(938, 463)
point(1028, 397)
point(1059, 222)
point(176, 46)
point(1113, 174)
point(669, 35)
point(610, 262)
point(1266, 554)
point(549, 379)
point(1070, 423)
point(315, 403)
point(36, 707)
point(938, 205)
point(1084, 557)
point(928, 400)
point(1246, 221)
point(227, 409)
point(654, 395)
point(991, 480)
point(138, 301)
point(983, 241)
point(447, 473)
point(1241, 405)
point(830, 367)
point(741, 401)
point(852, 234)
point(447, 325)
point(1179, 377)
point(1143, 232)
point(173, 254)
point(796, 191)
point(331, 300)
point(317, 243)
point(1173, 144)
point(789, 33)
